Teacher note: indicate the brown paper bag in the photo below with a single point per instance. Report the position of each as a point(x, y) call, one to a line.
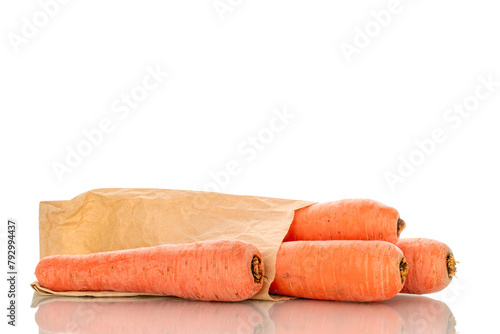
point(114, 219)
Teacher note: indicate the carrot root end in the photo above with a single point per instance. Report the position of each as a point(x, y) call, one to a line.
point(257, 269)
point(401, 226)
point(403, 268)
point(452, 265)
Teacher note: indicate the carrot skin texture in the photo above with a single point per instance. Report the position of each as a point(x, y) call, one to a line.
point(428, 271)
point(343, 270)
point(301, 316)
point(348, 219)
point(210, 270)
point(151, 315)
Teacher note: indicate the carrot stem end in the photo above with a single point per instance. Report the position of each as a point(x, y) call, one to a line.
point(403, 268)
point(401, 226)
point(256, 268)
point(452, 265)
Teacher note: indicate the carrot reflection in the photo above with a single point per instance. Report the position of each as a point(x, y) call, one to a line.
point(314, 316)
point(403, 313)
point(423, 315)
point(146, 315)
point(407, 314)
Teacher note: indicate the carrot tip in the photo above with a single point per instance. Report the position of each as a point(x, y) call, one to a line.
point(256, 269)
point(403, 268)
point(452, 265)
point(401, 226)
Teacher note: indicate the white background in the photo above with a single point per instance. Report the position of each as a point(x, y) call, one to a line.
point(352, 120)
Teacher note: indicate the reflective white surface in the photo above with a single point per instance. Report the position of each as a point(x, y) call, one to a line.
point(353, 121)
point(401, 314)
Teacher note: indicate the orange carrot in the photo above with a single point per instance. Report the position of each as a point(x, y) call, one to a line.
point(211, 270)
point(149, 315)
point(423, 315)
point(432, 265)
point(302, 316)
point(348, 219)
point(344, 270)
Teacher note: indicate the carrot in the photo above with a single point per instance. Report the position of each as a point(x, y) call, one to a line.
point(432, 265)
point(423, 315)
point(344, 270)
point(301, 316)
point(348, 219)
point(149, 315)
point(211, 270)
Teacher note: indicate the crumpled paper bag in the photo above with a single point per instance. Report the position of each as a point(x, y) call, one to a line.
point(124, 218)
